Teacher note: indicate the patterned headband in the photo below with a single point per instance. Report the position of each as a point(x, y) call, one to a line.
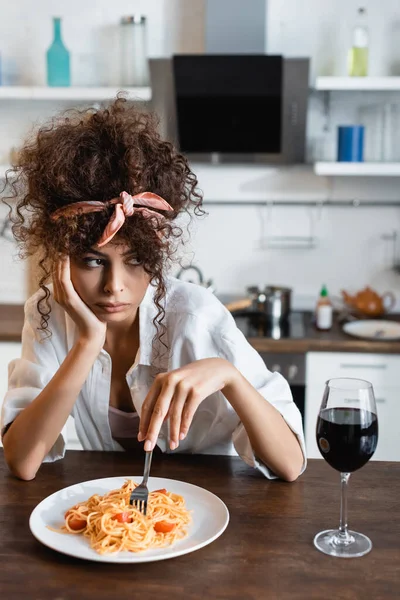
point(124, 207)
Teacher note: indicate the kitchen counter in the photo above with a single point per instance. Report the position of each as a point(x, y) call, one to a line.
point(12, 318)
point(334, 340)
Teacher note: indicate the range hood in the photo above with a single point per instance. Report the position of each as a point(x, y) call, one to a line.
point(228, 103)
point(234, 102)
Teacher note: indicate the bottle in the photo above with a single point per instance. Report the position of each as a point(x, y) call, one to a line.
point(58, 63)
point(324, 311)
point(134, 62)
point(358, 53)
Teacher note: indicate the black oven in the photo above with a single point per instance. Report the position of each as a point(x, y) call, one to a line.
point(293, 369)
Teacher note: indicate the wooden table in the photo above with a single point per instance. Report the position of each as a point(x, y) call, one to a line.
point(266, 552)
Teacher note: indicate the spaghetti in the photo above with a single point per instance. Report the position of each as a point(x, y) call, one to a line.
point(111, 524)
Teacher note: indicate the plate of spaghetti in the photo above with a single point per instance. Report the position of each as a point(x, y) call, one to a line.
point(93, 520)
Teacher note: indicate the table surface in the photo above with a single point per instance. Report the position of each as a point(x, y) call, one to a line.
point(266, 552)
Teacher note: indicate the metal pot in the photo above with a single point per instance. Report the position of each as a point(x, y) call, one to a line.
point(277, 302)
point(274, 301)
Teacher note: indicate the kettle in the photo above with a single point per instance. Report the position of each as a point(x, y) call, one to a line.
point(369, 303)
point(200, 279)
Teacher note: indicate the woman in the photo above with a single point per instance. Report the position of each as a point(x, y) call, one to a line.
point(132, 354)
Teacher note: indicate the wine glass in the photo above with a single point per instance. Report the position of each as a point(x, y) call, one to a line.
point(347, 435)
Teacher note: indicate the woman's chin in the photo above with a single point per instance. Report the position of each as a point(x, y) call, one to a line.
point(114, 318)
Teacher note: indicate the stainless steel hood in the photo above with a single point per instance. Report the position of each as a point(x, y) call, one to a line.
point(235, 27)
point(234, 102)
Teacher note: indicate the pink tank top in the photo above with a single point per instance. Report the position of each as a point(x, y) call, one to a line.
point(123, 424)
point(124, 428)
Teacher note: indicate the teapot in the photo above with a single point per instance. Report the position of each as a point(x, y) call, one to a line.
point(200, 279)
point(369, 303)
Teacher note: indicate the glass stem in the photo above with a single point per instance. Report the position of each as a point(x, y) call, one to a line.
point(343, 533)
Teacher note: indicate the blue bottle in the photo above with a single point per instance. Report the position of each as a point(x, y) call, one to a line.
point(350, 143)
point(58, 67)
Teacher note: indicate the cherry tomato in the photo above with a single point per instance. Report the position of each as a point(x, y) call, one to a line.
point(163, 526)
point(123, 517)
point(70, 511)
point(75, 523)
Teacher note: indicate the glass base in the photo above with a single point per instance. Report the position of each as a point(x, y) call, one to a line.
point(332, 542)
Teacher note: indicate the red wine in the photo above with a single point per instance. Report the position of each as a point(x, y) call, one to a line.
point(347, 437)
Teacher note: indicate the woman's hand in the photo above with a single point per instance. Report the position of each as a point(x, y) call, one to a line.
point(91, 329)
point(176, 395)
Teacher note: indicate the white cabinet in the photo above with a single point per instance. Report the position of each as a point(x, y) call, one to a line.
point(9, 351)
point(382, 370)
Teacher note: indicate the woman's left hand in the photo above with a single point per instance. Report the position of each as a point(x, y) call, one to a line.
point(176, 395)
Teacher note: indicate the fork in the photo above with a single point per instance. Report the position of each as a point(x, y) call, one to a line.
point(140, 494)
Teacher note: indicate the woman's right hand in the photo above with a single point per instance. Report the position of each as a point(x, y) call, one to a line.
point(91, 329)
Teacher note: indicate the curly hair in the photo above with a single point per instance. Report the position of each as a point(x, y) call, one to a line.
point(94, 154)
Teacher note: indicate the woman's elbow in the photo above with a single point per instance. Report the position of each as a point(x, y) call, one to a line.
point(21, 470)
point(24, 475)
point(291, 475)
point(292, 470)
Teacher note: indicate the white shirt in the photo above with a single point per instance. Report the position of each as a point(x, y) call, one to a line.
point(197, 326)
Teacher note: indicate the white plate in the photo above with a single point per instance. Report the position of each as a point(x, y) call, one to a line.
point(373, 329)
point(210, 518)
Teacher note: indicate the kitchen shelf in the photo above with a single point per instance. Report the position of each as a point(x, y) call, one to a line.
point(357, 83)
point(322, 202)
point(71, 93)
point(361, 169)
point(346, 203)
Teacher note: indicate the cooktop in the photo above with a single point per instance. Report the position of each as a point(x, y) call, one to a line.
point(256, 324)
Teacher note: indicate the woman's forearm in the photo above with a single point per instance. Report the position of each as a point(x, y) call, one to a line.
point(272, 440)
point(37, 427)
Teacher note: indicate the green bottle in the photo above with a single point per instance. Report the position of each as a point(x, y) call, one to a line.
point(58, 67)
point(358, 53)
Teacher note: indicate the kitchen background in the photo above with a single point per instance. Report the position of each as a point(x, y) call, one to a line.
point(353, 246)
point(298, 225)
